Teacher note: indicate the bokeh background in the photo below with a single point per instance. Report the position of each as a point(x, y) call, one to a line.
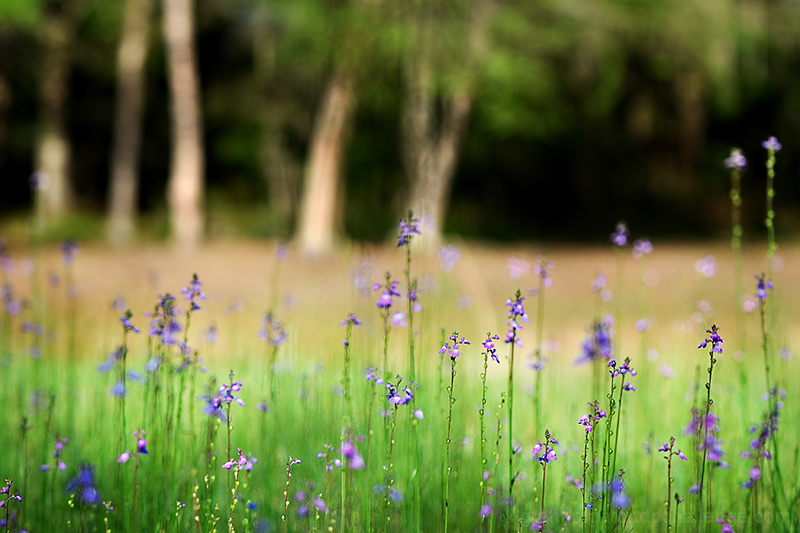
point(325, 120)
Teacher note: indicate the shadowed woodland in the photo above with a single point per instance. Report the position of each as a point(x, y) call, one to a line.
point(325, 120)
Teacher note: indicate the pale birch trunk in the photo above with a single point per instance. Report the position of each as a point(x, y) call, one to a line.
point(431, 144)
point(185, 194)
point(52, 150)
point(317, 226)
point(124, 187)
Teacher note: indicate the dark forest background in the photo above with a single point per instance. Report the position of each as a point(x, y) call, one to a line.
point(580, 113)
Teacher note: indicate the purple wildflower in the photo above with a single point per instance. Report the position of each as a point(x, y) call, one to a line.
point(448, 257)
point(194, 293)
point(516, 315)
point(736, 160)
point(642, 247)
point(706, 266)
point(453, 350)
point(354, 460)
point(544, 451)
point(772, 145)
point(620, 236)
point(351, 319)
point(408, 228)
point(598, 345)
point(762, 285)
point(388, 292)
point(84, 485)
point(396, 396)
point(272, 330)
point(542, 269)
point(488, 345)
point(127, 325)
point(163, 322)
point(714, 339)
point(517, 267)
point(68, 250)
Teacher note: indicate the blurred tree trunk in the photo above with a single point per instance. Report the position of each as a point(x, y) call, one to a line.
point(52, 150)
point(280, 170)
point(430, 139)
point(124, 189)
point(431, 152)
point(317, 226)
point(185, 194)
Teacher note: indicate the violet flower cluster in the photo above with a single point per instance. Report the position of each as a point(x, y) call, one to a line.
point(244, 462)
point(141, 447)
point(408, 228)
point(713, 339)
point(84, 485)
point(272, 330)
point(620, 236)
point(194, 293)
point(598, 345)
point(544, 451)
point(224, 396)
point(164, 323)
point(397, 396)
point(736, 161)
point(762, 284)
point(59, 447)
point(453, 346)
point(589, 420)
point(489, 346)
point(388, 293)
point(516, 315)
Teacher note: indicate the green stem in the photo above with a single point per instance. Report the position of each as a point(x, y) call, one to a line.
point(449, 424)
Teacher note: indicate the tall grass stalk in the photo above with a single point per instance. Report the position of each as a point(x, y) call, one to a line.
point(716, 348)
point(452, 349)
point(772, 146)
point(516, 315)
point(347, 411)
point(289, 466)
point(542, 269)
point(495, 478)
point(490, 350)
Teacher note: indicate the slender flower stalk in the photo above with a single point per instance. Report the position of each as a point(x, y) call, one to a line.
point(141, 449)
point(489, 350)
point(388, 293)
point(542, 270)
point(736, 162)
point(498, 436)
point(347, 415)
point(623, 371)
point(544, 453)
point(589, 423)
point(452, 349)
point(274, 335)
point(715, 342)
point(669, 449)
point(396, 397)
point(516, 315)
point(772, 146)
point(289, 466)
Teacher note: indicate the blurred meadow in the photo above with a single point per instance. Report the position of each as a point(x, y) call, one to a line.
point(314, 265)
point(66, 389)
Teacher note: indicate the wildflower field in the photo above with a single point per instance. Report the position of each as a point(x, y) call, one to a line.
point(634, 386)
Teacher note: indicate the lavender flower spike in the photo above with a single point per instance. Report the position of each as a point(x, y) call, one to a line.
point(714, 339)
point(736, 160)
point(772, 145)
point(408, 228)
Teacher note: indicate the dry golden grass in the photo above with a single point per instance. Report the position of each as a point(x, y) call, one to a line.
point(314, 295)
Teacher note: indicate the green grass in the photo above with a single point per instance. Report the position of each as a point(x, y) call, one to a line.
point(307, 411)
